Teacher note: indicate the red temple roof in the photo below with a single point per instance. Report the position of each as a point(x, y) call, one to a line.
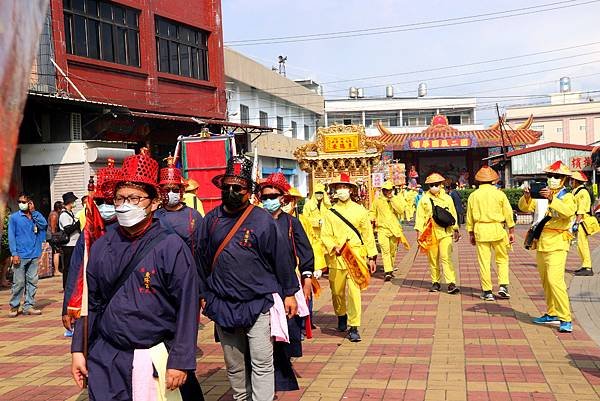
point(440, 135)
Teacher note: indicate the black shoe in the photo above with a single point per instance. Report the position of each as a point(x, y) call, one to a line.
point(388, 277)
point(435, 287)
point(584, 271)
point(342, 323)
point(503, 292)
point(353, 335)
point(453, 289)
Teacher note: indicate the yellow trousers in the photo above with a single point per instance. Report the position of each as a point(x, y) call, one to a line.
point(484, 256)
point(389, 249)
point(441, 254)
point(551, 266)
point(583, 248)
point(339, 280)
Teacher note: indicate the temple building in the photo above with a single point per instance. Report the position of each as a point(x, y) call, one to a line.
point(457, 154)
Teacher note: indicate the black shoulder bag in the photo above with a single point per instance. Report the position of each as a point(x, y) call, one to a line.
point(348, 224)
point(442, 216)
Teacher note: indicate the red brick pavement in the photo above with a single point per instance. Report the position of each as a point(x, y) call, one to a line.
point(416, 345)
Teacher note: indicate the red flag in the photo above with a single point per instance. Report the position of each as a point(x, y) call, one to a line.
point(94, 229)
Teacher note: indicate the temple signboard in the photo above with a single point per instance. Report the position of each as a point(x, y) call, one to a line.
point(440, 143)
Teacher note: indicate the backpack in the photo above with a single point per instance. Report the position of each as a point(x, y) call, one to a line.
point(62, 237)
point(441, 215)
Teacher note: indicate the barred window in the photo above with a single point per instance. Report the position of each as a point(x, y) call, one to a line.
point(103, 31)
point(181, 49)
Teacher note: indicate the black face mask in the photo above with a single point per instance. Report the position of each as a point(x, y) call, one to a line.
point(232, 200)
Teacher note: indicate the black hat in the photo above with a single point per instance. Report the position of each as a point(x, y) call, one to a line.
point(69, 197)
point(239, 168)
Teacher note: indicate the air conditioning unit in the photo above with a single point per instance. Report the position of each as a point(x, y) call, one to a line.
point(76, 127)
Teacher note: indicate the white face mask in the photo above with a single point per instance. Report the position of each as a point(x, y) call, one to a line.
point(288, 208)
point(24, 207)
point(129, 215)
point(107, 211)
point(319, 196)
point(554, 183)
point(174, 198)
point(434, 190)
point(343, 194)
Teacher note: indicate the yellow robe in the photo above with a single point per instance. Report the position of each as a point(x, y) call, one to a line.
point(552, 249)
point(188, 199)
point(439, 255)
point(313, 216)
point(584, 204)
point(387, 213)
point(488, 212)
point(409, 199)
point(336, 233)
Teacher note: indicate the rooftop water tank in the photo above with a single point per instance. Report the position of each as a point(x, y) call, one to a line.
point(422, 91)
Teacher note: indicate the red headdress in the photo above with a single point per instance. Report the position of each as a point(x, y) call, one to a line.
point(107, 177)
point(276, 180)
point(170, 174)
point(140, 169)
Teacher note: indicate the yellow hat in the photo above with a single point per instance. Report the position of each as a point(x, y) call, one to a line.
point(486, 174)
point(579, 176)
point(191, 185)
point(388, 185)
point(433, 178)
point(319, 187)
point(343, 178)
point(294, 192)
point(558, 167)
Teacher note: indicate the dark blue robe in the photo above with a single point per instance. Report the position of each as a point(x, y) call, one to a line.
point(157, 303)
point(285, 378)
point(256, 263)
point(184, 222)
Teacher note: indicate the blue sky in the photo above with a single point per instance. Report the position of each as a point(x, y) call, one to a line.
point(405, 52)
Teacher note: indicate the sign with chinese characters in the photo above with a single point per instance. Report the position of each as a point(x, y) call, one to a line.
point(378, 179)
point(340, 143)
point(580, 162)
point(440, 143)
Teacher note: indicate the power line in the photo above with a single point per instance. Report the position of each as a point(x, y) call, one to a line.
point(540, 8)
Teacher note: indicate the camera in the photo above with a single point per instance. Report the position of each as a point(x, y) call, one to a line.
point(535, 188)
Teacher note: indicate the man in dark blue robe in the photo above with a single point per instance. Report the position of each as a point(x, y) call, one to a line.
point(253, 269)
point(143, 292)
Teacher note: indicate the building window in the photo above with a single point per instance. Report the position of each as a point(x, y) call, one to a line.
point(306, 132)
point(103, 31)
point(264, 119)
point(280, 124)
point(244, 114)
point(76, 127)
point(181, 50)
point(294, 129)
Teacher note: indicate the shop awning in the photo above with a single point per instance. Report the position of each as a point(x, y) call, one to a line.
point(226, 126)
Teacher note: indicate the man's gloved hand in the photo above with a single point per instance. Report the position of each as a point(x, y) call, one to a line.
point(318, 273)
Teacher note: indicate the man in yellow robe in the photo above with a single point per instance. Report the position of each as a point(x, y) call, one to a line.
point(409, 198)
point(488, 213)
point(386, 212)
point(314, 210)
point(357, 233)
point(440, 251)
point(190, 198)
point(584, 207)
point(553, 244)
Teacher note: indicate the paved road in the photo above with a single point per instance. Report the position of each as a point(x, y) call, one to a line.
point(416, 345)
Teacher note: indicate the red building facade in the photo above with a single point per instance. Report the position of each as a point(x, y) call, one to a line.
point(157, 56)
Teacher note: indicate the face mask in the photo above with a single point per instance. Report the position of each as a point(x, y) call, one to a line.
point(107, 212)
point(319, 196)
point(289, 208)
point(129, 215)
point(434, 190)
point(554, 183)
point(174, 198)
point(271, 205)
point(343, 194)
point(232, 200)
point(24, 207)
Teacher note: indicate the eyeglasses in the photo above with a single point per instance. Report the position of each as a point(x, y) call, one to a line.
point(131, 199)
point(234, 188)
point(270, 196)
point(557, 176)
